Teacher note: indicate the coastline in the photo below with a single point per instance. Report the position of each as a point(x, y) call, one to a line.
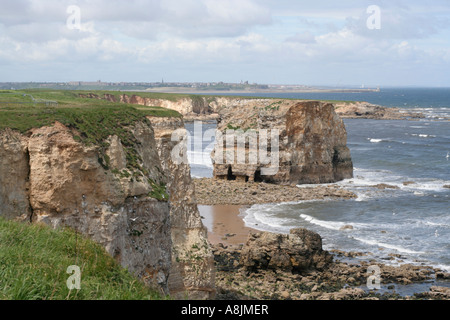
point(224, 224)
point(346, 276)
point(186, 90)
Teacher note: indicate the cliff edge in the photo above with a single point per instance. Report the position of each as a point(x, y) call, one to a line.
point(123, 193)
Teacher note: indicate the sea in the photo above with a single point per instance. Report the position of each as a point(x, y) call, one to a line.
point(410, 220)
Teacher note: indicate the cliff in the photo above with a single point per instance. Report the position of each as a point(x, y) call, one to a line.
point(293, 143)
point(193, 271)
point(196, 107)
point(125, 195)
point(186, 105)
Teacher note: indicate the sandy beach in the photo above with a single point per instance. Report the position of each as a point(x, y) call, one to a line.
point(224, 224)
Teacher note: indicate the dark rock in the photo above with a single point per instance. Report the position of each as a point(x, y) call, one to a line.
point(299, 251)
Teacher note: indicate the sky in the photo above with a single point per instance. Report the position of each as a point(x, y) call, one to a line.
point(321, 42)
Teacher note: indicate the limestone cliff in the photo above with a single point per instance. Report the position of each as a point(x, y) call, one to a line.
point(308, 146)
point(196, 107)
point(47, 176)
point(14, 176)
point(61, 182)
point(184, 105)
point(192, 272)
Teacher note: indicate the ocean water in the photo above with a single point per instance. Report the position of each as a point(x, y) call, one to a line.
point(411, 219)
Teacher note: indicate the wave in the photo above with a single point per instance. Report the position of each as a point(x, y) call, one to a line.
point(368, 178)
point(388, 246)
point(443, 267)
point(365, 235)
point(258, 217)
point(362, 196)
point(334, 225)
point(432, 113)
point(422, 135)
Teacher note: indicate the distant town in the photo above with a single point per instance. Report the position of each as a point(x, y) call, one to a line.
point(181, 87)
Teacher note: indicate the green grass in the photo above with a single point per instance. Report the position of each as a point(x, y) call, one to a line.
point(94, 119)
point(34, 261)
point(151, 95)
point(19, 112)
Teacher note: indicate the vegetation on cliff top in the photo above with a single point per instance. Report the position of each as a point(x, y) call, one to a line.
point(93, 120)
point(27, 109)
point(34, 261)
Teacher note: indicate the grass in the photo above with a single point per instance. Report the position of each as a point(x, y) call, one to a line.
point(18, 111)
point(34, 260)
point(94, 119)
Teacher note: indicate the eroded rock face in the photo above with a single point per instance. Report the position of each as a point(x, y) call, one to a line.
point(299, 251)
point(311, 145)
point(14, 171)
point(69, 187)
point(193, 270)
point(62, 182)
point(193, 105)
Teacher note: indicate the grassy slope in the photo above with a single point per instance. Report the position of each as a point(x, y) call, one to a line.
point(17, 110)
point(34, 261)
point(94, 119)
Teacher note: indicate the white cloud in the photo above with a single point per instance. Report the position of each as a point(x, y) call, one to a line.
point(269, 39)
point(302, 37)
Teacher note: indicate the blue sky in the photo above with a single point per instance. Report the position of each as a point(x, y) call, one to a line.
point(321, 42)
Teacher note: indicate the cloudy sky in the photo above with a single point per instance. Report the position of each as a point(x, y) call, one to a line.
point(320, 42)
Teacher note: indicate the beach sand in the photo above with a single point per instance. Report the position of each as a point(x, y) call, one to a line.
point(224, 224)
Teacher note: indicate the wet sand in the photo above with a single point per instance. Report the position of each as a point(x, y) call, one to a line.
point(224, 224)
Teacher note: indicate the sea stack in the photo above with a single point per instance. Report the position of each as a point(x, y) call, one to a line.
point(285, 142)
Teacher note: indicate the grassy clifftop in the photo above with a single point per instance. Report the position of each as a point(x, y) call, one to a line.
point(26, 109)
point(34, 261)
point(93, 120)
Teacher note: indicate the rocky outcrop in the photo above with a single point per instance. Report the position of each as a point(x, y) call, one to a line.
point(211, 191)
point(192, 272)
point(260, 269)
point(365, 110)
point(68, 186)
point(307, 143)
point(299, 251)
point(144, 215)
